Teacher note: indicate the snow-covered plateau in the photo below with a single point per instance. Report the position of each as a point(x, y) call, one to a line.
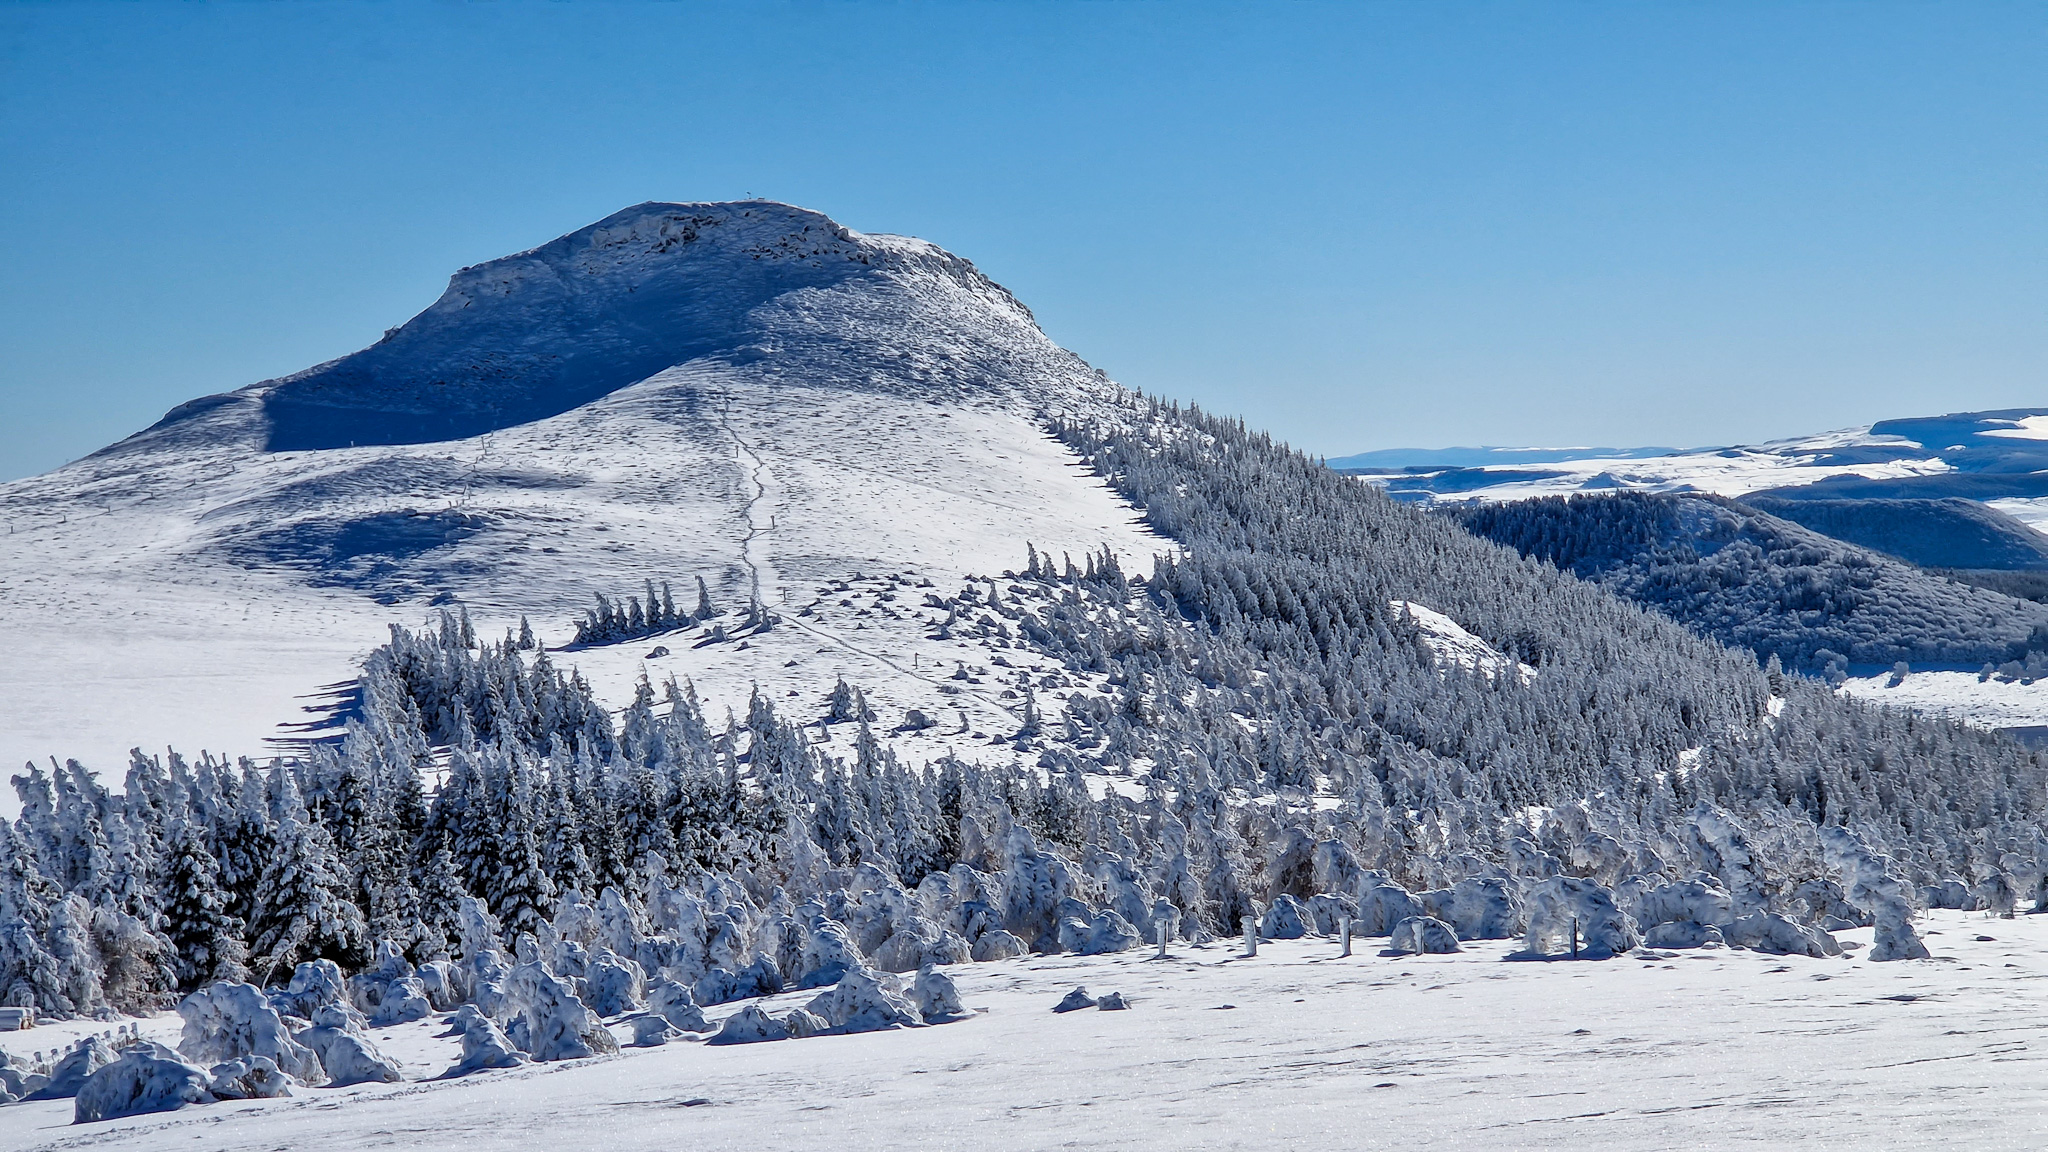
point(1717, 1048)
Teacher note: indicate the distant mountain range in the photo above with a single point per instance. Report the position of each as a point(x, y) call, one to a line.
point(1967, 490)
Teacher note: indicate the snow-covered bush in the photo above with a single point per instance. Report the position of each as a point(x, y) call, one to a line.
point(936, 999)
point(228, 1021)
point(1423, 934)
point(750, 1025)
point(1564, 906)
point(248, 1078)
point(140, 1081)
point(484, 1045)
point(673, 1002)
point(1286, 919)
point(549, 1022)
point(864, 1002)
point(346, 1055)
point(1477, 908)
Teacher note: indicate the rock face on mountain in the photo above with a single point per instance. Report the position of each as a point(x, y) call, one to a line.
point(749, 393)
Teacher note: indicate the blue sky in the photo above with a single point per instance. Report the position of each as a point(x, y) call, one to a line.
point(1360, 226)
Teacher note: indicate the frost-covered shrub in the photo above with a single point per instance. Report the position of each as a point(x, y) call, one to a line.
point(1770, 932)
point(1562, 904)
point(750, 1025)
point(673, 1002)
point(864, 1002)
point(1327, 912)
point(1383, 905)
point(828, 954)
point(229, 1021)
point(389, 992)
point(70, 1073)
point(248, 1078)
point(652, 1031)
point(998, 945)
point(1423, 934)
point(1700, 899)
point(1683, 934)
point(758, 978)
point(1477, 908)
point(613, 986)
point(139, 1081)
point(1087, 933)
point(1871, 883)
point(1286, 919)
point(550, 1023)
point(484, 1045)
point(345, 1054)
point(315, 984)
point(935, 997)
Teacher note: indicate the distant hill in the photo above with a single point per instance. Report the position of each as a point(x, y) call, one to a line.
point(1747, 578)
point(1944, 533)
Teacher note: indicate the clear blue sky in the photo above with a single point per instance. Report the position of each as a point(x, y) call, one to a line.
point(1358, 225)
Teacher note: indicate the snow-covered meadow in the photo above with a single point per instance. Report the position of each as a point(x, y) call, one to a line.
point(1712, 1048)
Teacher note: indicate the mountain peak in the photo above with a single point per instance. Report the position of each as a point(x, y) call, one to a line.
point(540, 332)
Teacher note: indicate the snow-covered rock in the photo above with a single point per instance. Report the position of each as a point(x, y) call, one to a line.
point(1114, 1002)
point(139, 1081)
point(229, 1021)
point(1423, 934)
point(1075, 1001)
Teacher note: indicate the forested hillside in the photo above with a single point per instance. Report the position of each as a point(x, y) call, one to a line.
point(1751, 580)
point(1275, 737)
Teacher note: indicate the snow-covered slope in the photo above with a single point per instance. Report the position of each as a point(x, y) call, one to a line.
point(1298, 1048)
point(745, 392)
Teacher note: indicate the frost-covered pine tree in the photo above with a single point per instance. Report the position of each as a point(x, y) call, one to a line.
point(205, 938)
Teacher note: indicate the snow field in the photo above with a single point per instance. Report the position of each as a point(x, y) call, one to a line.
point(1712, 1048)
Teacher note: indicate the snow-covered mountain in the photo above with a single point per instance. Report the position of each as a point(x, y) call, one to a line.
point(749, 393)
point(1999, 458)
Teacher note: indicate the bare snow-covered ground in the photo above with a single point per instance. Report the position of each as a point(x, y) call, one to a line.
point(1955, 692)
point(1296, 1048)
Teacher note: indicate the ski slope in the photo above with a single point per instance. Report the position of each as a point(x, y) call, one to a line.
point(1297, 1048)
